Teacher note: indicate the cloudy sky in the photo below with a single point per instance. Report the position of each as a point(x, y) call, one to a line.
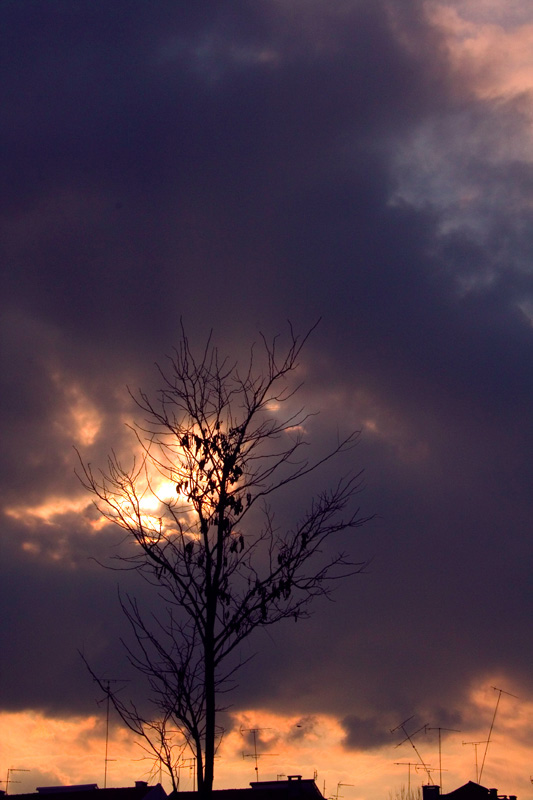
point(236, 165)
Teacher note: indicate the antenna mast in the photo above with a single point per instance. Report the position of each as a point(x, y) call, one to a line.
point(500, 692)
point(255, 755)
point(408, 764)
point(105, 684)
point(192, 764)
point(339, 796)
point(408, 738)
point(8, 779)
point(454, 730)
point(475, 748)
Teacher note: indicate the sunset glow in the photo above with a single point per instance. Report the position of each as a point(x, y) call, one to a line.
point(71, 751)
point(359, 174)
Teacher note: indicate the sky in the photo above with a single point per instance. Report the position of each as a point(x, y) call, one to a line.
point(236, 165)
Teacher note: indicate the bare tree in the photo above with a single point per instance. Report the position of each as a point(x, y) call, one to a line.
point(211, 546)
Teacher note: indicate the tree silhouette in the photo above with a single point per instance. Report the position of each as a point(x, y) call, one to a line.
point(210, 546)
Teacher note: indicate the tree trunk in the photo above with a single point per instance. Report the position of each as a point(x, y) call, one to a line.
point(210, 693)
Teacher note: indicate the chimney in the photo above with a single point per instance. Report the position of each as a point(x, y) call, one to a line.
point(294, 777)
point(141, 784)
point(430, 792)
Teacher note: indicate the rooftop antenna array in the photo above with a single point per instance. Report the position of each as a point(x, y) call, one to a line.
point(408, 764)
point(451, 730)
point(475, 748)
point(191, 764)
point(105, 684)
point(338, 796)
point(255, 755)
point(500, 692)
point(409, 738)
point(8, 780)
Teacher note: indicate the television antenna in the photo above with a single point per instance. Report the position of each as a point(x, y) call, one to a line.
point(255, 755)
point(105, 685)
point(337, 796)
point(409, 738)
point(190, 764)
point(408, 764)
point(475, 748)
point(451, 730)
point(8, 780)
point(500, 692)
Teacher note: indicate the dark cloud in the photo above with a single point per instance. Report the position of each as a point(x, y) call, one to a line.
point(363, 733)
point(240, 164)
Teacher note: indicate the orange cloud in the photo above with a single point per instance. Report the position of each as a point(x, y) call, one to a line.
point(79, 419)
point(497, 59)
point(63, 751)
point(72, 751)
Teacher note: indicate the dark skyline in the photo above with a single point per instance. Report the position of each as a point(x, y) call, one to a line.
point(236, 165)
